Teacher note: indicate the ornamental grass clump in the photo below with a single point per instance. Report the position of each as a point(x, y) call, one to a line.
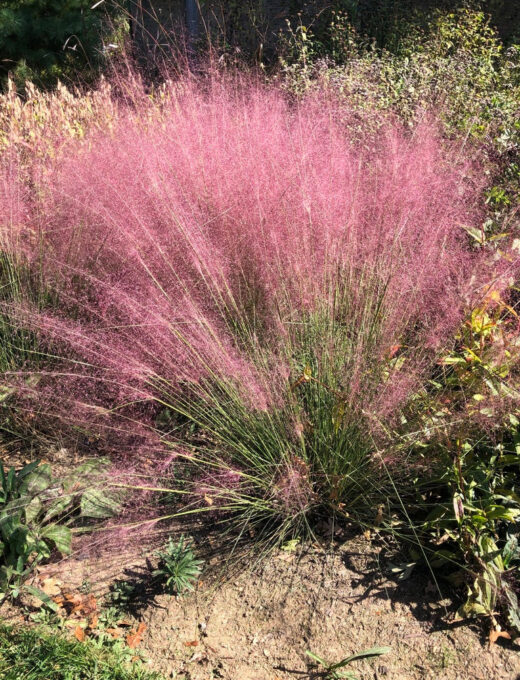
point(255, 290)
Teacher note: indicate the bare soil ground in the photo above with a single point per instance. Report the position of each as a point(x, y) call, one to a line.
point(258, 624)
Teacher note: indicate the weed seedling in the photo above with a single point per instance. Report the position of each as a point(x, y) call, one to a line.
point(332, 670)
point(178, 566)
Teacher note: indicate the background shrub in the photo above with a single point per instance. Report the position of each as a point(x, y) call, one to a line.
point(43, 40)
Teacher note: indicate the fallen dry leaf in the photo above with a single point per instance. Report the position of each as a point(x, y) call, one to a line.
point(79, 634)
point(70, 601)
point(51, 587)
point(116, 634)
point(192, 643)
point(495, 634)
point(134, 639)
point(89, 605)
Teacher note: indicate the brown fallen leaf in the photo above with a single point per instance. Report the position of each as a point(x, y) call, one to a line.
point(79, 634)
point(70, 601)
point(89, 605)
point(495, 634)
point(192, 643)
point(93, 621)
point(116, 634)
point(134, 639)
point(51, 587)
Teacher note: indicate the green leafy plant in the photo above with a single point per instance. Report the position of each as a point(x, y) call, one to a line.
point(36, 513)
point(333, 670)
point(28, 533)
point(178, 566)
point(474, 523)
point(120, 596)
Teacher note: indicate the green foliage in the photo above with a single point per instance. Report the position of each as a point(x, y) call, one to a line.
point(460, 69)
point(34, 654)
point(470, 409)
point(473, 407)
point(477, 528)
point(178, 567)
point(27, 532)
point(120, 597)
point(332, 670)
point(42, 40)
point(389, 23)
point(36, 512)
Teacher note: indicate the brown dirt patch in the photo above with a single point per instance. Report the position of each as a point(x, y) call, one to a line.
point(258, 624)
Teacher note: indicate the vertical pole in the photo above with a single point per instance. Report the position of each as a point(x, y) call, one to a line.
point(192, 21)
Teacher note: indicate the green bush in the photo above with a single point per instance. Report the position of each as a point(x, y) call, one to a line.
point(42, 40)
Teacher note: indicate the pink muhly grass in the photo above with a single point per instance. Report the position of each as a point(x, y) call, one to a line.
point(247, 264)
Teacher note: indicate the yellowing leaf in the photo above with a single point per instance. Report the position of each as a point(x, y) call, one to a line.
point(495, 634)
point(79, 634)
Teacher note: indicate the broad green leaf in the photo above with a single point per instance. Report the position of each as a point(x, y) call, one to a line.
point(43, 597)
point(513, 611)
point(33, 509)
point(507, 514)
point(6, 392)
point(37, 481)
point(97, 504)
point(19, 540)
point(59, 535)
point(28, 469)
point(8, 527)
point(84, 472)
point(58, 507)
point(510, 551)
point(290, 546)
point(3, 480)
point(470, 609)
